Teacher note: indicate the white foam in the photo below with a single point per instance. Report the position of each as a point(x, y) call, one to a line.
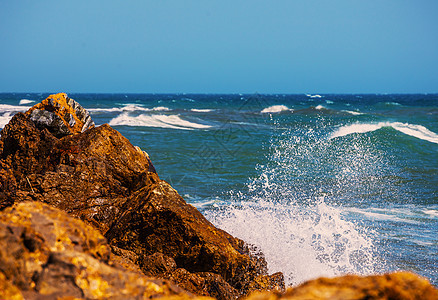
point(319, 107)
point(13, 108)
point(314, 96)
point(275, 109)
point(201, 110)
point(160, 108)
point(161, 121)
point(417, 131)
point(4, 119)
point(431, 212)
point(128, 108)
point(329, 101)
point(25, 101)
point(354, 113)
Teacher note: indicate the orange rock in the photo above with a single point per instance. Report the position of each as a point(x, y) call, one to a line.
point(61, 115)
point(396, 286)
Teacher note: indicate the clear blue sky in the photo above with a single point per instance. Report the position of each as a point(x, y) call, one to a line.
point(204, 46)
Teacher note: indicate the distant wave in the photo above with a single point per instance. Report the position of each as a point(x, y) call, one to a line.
point(128, 108)
point(10, 108)
point(355, 113)
point(201, 110)
point(4, 119)
point(25, 101)
point(275, 109)
point(319, 107)
point(314, 96)
point(8, 111)
point(161, 121)
point(417, 131)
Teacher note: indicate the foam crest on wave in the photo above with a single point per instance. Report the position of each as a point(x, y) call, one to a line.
point(4, 119)
point(275, 109)
point(8, 111)
point(161, 121)
point(201, 110)
point(25, 101)
point(417, 131)
point(128, 108)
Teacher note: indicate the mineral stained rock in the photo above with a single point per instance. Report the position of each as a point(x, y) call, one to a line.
point(394, 286)
point(61, 115)
point(98, 176)
point(48, 254)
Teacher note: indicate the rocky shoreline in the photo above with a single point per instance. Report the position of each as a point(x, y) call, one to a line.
point(85, 215)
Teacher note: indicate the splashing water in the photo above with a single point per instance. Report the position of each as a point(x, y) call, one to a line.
point(290, 214)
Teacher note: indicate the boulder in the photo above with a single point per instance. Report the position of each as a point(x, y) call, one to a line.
point(95, 174)
point(396, 286)
point(45, 253)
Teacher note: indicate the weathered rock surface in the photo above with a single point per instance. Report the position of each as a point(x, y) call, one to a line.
point(61, 115)
point(46, 254)
point(394, 286)
point(98, 176)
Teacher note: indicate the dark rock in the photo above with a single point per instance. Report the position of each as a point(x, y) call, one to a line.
point(46, 254)
point(157, 265)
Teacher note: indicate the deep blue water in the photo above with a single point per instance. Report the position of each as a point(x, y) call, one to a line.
point(322, 184)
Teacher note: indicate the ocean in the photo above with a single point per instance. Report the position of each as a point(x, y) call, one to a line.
point(323, 185)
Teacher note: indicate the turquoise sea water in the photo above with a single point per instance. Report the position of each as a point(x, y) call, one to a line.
point(323, 185)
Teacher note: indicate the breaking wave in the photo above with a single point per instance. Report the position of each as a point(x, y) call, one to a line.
point(417, 131)
point(161, 121)
point(276, 109)
point(26, 101)
point(128, 108)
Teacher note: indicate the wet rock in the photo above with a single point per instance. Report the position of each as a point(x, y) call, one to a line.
point(397, 286)
point(46, 253)
point(204, 283)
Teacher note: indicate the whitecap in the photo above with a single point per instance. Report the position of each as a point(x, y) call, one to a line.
point(329, 101)
point(201, 110)
point(11, 108)
point(4, 119)
point(160, 108)
point(354, 113)
point(25, 101)
point(431, 212)
point(161, 121)
point(319, 107)
point(275, 109)
point(125, 108)
point(417, 131)
point(314, 96)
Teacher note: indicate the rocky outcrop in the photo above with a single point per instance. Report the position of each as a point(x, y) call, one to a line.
point(394, 286)
point(46, 254)
point(98, 176)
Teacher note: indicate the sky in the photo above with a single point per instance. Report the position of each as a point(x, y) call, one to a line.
point(206, 46)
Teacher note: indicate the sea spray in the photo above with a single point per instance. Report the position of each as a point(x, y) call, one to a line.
point(293, 218)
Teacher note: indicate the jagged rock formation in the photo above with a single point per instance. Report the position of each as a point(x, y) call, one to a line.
point(47, 254)
point(98, 176)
